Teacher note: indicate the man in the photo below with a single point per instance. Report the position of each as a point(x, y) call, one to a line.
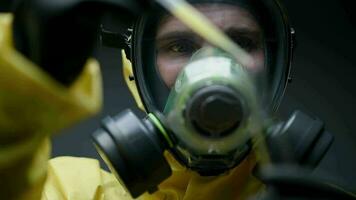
point(161, 47)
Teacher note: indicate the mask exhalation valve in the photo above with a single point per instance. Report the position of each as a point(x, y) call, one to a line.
point(215, 111)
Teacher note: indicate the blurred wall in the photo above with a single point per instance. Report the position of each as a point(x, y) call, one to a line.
point(323, 84)
point(323, 77)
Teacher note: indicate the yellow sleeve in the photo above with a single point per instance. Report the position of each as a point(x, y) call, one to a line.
point(32, 105)
point(81, 179)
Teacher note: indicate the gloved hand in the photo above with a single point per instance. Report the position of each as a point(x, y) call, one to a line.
point(47, 82)
point(60, 35)
point(32, 106)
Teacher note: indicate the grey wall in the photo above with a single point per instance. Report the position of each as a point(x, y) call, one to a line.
point(323, 84)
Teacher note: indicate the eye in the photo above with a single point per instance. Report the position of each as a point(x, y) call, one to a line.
point(179, 47)
point(247, 43)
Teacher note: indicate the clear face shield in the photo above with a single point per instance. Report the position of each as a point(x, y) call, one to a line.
point(215, 86)
point(254, 33)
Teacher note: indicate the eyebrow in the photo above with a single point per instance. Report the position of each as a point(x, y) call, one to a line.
point(231, 31)
point(250, 32)
point(177, 34)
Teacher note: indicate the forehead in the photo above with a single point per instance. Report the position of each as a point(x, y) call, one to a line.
point(225, 16)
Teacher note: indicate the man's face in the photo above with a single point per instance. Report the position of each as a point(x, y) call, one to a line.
point(176, 43)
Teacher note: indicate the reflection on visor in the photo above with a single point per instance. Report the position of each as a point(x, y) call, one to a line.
point(176, 43)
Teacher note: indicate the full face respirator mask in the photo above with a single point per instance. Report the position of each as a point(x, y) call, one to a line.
point(206, 124)
point(204, 106)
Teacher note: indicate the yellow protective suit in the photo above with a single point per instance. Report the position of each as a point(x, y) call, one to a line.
point(32, 106)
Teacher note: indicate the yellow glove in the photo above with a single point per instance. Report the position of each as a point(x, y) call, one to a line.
point(33, 105)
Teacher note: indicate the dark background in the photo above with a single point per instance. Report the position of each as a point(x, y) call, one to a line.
point(323, 84)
